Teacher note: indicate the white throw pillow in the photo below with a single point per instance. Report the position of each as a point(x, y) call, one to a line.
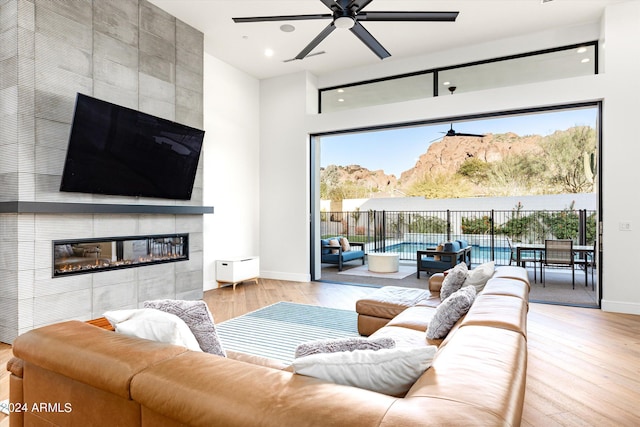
point(153, 325)
point(388, 371)
point(479, 276)
point(346, 246)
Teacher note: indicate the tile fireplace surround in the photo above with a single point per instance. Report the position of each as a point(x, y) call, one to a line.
point(131, 53)
point(33, 296)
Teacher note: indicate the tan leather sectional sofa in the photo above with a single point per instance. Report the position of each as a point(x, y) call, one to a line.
point(77, 374)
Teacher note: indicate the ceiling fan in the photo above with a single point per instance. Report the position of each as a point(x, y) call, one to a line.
point(347, 14)
point(451, 131)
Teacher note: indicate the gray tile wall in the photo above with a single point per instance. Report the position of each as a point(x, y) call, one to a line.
point(126, 52)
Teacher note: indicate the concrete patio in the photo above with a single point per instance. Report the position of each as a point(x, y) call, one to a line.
point(557, 289)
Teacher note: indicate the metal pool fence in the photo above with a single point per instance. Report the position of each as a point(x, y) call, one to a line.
point(488, 232)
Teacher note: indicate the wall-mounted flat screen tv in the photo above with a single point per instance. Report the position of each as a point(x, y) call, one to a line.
point(119, 151)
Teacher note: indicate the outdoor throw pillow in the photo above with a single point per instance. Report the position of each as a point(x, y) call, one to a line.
point(439, 248)
point(334, 242)
point(479, 276)
point(390, 371)
point(153, 325)
point(343, 344)
point(453, 280)
point(198, 318)
point(450, 311)
point(346, 247)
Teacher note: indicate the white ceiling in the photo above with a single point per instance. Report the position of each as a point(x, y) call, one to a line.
point(243, 45)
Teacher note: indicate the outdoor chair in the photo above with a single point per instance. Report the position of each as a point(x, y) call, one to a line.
point(558, 253)
point(433, 260)
point(334, 254)
point(589, 260)
point(525, 257)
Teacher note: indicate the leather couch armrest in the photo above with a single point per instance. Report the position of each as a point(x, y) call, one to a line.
point(94, 356)
point(435, 282)
point(15, 366)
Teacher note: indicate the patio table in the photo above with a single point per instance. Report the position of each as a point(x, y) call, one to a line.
point(528, 247)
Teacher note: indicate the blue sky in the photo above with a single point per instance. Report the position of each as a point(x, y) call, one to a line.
point(397, 150)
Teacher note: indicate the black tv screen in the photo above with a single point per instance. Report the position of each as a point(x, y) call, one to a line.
point(119, 151)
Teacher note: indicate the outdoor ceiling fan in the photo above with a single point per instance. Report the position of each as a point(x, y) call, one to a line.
point(346, 14)
point(451, 131)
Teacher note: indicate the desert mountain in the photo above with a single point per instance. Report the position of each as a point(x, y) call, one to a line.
point(444, 156)
point(496, 165)
point(448, 154)
point(369, 183)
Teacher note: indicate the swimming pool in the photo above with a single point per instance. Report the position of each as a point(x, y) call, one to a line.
point(479, 254)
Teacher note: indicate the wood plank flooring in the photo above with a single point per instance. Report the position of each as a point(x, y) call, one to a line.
point(583, 366)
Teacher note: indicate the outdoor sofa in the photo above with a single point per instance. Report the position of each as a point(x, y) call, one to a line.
point(337, 254)
point(92, 376)
point(433, 260)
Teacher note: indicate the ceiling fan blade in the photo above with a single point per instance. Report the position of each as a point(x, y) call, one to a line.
point(369, 41)
point(469, 134)
point(281, 18)
point(409, 16)
point(332, 4)
point(315, 42)
point(322, 52)
point(358, 5)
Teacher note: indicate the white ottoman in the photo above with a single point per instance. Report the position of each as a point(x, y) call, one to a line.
point(383, 262)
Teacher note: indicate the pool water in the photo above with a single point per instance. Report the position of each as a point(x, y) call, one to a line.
point(479, 254)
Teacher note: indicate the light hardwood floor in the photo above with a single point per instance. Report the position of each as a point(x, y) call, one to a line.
point(583, 366)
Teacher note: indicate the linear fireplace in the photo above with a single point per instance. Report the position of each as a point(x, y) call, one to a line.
point(109, 253)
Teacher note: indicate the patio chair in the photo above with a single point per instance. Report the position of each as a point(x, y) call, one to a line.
point(589, 260)
point(434, 260)
point(558, 253)
point(335, 254)
point(525, 257)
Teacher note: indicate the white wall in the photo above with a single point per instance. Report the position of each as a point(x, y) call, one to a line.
point(284, 174)
point(231, 165)
point(621, 157)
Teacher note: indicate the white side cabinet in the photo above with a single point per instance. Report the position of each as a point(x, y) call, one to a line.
point(237, 270)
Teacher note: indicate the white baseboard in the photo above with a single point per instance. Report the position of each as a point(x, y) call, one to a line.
point(279, 275)
point(621, 307)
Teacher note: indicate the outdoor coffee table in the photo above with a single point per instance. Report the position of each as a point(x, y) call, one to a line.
point(383, 262)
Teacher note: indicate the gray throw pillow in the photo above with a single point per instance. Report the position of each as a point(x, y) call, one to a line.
point(453, 280)
point(450, 311)
point(343, 344)
point(197, 316)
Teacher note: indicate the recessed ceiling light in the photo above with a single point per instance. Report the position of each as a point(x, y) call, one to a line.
point(268, 53)
point(585, 60)
point(287, 28)
point(341, 100)
point(446, 83)
point(340, 90)
point(581, 49)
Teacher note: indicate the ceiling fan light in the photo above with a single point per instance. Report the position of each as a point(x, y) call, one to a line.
point(344, 22)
